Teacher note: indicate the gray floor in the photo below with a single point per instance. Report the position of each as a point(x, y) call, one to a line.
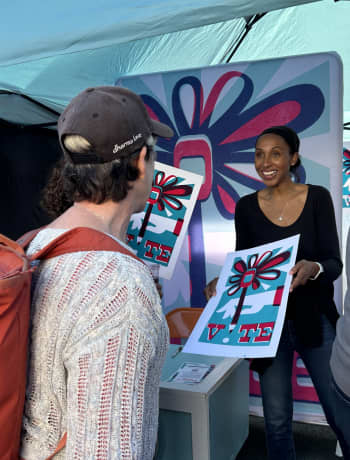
point(312, 442)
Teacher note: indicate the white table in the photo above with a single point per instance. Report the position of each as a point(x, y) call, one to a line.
point(207, 420)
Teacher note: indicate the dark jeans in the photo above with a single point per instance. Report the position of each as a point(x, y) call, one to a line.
point(342, 419)
point(276, 388)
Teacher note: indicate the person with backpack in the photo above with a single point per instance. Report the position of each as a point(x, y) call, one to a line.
point(98, 336)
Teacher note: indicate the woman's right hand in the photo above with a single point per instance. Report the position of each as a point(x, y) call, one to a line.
point(210, 288)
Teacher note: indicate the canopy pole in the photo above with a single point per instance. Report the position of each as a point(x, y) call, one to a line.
point(250, 21)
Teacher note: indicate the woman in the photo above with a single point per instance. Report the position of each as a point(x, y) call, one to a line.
point(99, 337)
point(282, 209)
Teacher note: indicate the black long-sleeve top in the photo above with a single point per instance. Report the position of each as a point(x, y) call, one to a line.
point(318, 243)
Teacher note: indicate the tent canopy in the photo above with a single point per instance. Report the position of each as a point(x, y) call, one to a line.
point(43, 29)
point(70, 46)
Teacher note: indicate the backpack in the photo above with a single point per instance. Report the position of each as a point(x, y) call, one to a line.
point(15, 299)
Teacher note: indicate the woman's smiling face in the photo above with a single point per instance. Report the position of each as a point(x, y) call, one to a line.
point(273, 159)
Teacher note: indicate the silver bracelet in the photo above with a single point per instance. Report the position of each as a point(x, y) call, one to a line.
point(320, 270)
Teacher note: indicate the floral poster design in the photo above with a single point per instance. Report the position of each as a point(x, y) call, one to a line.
point(216, 113)
point(346, 177)
point(156, 234)
point(246, 316)
point(346, 206)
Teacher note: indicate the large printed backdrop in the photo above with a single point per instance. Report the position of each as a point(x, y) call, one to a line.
point(216, 114)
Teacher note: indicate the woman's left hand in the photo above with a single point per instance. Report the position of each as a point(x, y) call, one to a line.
point(302, 272)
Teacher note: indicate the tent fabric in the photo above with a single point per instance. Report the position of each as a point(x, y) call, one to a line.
point(55, 79)
point(39, 29)
point(25, 111)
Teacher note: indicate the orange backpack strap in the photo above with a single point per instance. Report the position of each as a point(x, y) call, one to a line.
point(75, 240)
point(25, 239)
point(59, 447)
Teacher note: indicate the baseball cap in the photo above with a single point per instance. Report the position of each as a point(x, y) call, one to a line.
point(112, 119)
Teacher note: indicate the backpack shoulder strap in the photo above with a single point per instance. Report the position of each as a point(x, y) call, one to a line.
point(16, 248)
point(59, 447)
point(75, 240)
point(25, 239)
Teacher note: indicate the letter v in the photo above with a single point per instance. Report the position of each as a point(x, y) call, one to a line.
point(212, 326)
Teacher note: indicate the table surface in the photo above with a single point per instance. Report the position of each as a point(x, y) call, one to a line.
point(175, 358)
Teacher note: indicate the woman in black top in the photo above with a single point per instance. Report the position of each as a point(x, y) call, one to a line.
point(282, 209)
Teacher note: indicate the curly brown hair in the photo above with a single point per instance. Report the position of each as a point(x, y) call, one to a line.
point(96, 183)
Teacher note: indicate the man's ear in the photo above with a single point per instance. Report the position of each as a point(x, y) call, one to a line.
point(141, 161)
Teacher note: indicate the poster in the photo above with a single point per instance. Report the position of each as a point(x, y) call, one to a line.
point(157, 233)
point(246, 316)
point(346, 207)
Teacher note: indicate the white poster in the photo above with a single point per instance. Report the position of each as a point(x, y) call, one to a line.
point(246, 316)
point(156, 234)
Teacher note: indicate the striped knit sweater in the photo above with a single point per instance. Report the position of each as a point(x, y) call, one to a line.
point(98, 343)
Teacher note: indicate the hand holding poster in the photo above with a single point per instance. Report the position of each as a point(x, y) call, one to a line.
point(157, 233)
point(246, 316)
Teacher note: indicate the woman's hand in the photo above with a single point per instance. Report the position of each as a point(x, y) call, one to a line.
point(210, 288)
point(302, 272)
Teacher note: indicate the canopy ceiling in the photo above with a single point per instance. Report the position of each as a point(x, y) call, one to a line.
point(55, 49)
point(35, 29)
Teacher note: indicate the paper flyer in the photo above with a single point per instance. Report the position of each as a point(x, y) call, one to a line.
point(246, 316)
point(157, 233)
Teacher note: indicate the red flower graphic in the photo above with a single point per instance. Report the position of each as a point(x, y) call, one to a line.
point(346, 161)
point(165, 192)
point(249, 274)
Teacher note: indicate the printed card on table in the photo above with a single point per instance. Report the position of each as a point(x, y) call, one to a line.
point(157, 233)
point(246, 316)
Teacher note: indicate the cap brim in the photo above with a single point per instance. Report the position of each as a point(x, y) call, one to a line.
point(161, 130)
